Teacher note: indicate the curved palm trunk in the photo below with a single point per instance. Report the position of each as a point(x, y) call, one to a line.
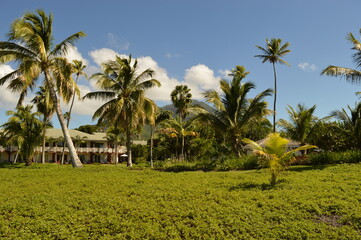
point(74, 157)
point(275, 98)
point(68, 120)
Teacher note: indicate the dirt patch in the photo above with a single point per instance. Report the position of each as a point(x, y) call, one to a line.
point(332, 220)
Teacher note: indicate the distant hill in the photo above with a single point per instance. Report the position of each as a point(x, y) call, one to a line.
point(170, 107)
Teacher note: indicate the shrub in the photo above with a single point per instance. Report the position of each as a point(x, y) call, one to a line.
point(335, 157)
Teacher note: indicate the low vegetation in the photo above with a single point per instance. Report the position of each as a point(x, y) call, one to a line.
point(112, 202)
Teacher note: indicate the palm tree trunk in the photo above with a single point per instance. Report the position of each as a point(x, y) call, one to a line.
point(43, 149)
point(129, 148)
point(116, 153)
point(16, 156)
point(182, 151)
point(72, 101)
point(74, 157)
point(151, 146)
point(275, 98)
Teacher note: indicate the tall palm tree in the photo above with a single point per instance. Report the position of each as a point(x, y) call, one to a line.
point(273, 53)
point(352, 123)
point(124, 90)
point(31, 45)
point(349, 74)
point(302, 122)
point(233, 111)
point(23, 129)
point(45, 106)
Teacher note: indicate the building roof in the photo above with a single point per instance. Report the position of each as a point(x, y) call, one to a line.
point(57, 133)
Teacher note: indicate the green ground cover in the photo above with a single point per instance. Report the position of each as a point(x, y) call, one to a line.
point(111, 202)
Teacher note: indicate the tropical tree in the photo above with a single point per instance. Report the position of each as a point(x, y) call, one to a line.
point(124, 90)
point(182, 100)
point(233, 111)
point(349, 74)
point(45, 106)
point(274, 154)
point(180, 129)
point(302, 122)
point(23, 129)
point(114, 136)
point(161, 116)
point(78, 69)
point(351, 123)
point(273, 53)
point(31, 45)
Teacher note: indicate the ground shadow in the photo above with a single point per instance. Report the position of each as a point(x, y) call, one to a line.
point(252, 186)
point(11, 165)
point(302, 168)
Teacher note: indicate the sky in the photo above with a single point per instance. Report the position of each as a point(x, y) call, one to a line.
point(198, 42)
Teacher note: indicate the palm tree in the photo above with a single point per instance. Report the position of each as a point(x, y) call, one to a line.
point(161, 116)
point(180, 129)
point(352, 123)
point(273, 53)
point(31, 44)
point(45, 106)
point(124, 90)
point(233, 111)
point(182, 100)
point(115, 137)
point(23, 129)
point(302, 123)
point(274, 154)
point(77, 68)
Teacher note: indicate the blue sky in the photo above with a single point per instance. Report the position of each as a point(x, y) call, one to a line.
point(198, 42)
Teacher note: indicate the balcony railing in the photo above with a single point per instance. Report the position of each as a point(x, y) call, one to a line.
point(82, 150)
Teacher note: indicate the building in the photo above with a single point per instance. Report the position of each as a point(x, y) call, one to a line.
point(91, 148)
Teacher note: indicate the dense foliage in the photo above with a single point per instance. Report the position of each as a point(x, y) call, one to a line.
point(110, 202)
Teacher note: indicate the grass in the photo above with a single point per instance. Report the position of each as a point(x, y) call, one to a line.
point(111, 202)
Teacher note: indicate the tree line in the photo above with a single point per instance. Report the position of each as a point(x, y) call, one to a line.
point(192, 133)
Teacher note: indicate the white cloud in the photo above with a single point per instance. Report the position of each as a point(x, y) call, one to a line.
point(200, 78)
point(86, 107)
point(8, 99)
point(305, 66)
point(170, 55)
point(114, 41)
point(225, 73)
point(103, 55)
point(74, 54)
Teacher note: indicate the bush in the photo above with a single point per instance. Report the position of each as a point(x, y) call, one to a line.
point(334, 157)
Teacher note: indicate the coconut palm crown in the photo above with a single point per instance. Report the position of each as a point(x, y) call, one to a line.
point(349, 74)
